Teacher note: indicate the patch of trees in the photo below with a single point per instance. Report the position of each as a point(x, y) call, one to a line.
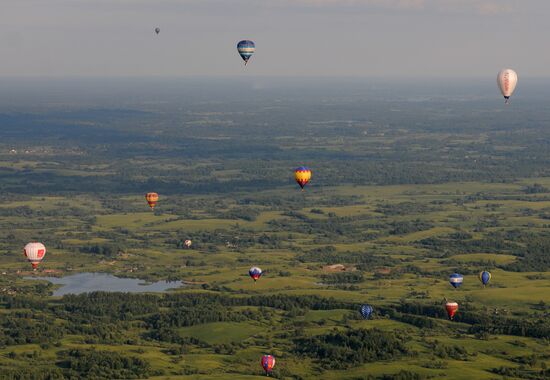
point(108, 250)
point(522, 372)
point(30, 373)
point(95, 364)
point(26, 327)
point(407, 227)
point(404, 208)
point(341, 350)
point(535, 257)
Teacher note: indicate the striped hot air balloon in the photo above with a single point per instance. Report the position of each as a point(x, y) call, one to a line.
point(34, 252)
point(507, 80)
point(366, 311)
point(152, 199)
point(302, 175)
point(485, 277)
point(456, 280)
point(452, 308)
point(246, 48)
point(268, 362)
point(255, 273)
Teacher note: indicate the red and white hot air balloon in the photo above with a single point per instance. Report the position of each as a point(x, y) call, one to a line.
point(452, 308)
point(34, 252)
point(507, 80)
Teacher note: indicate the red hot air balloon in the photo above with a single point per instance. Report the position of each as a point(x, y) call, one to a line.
point(452, 308)
point(34, 252)
point(268, 362)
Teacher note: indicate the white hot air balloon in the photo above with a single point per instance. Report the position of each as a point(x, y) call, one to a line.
point(34, 252)
point(507, 80)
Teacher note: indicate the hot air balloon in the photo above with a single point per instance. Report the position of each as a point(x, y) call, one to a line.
point(302, 175)
point(246, 48)
point(366, 311)
point(255, 273)
point(34, 252)
point(187, 243)
point(507, 80)
point(157, 30)
point(484, 277)
point(268, 362)
point(152, 199)
point(452, 308)
point(456, 280)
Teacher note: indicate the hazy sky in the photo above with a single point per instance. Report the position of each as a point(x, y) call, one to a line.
point(369, 38)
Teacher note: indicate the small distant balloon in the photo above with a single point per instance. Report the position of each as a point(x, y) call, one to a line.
point(152, 199)
point(268, 362)
point(485, 277)
point(255, 273)
point(507, 80)
point(302, 175)
point(452, 308)
point(34, 252)
point(366, 311)
point(187, 243)
point(157, 30)
point(246, 48)
point(456, 280)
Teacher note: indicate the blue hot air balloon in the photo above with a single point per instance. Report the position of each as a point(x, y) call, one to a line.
point(456, 280)
point(366, 311)
point(485, 277)
point(246, 48)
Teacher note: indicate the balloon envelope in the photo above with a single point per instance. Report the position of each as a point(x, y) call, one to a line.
point(255, 273)
point(507, 80)
point(268, 362)
point(152, 199)
point(34, 252)
point(157, 30)
point(302, 175)
point(451, 308)
point(485, 277)
point(246, 48)
point(188, 243)
point(366, 311)
point(456, 280)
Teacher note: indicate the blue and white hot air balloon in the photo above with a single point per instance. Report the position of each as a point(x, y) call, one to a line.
point(366, 311)
point(456, 280)
point(246, 48)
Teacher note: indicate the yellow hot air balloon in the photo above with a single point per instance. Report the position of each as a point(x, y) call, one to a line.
point(152, 199)
point(302, 175)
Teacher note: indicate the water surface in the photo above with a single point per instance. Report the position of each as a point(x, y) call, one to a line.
point(92, 282)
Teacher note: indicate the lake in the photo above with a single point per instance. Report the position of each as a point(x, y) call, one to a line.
point(92, 282)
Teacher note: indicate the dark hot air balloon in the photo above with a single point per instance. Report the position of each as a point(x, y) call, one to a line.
point(246, 48)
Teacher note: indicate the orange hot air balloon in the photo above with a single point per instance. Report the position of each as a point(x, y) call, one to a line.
point(452, 308)
point(34, 252)
point(152, 199)
point(302, 175)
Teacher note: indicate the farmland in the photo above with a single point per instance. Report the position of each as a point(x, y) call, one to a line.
point(398, 202)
